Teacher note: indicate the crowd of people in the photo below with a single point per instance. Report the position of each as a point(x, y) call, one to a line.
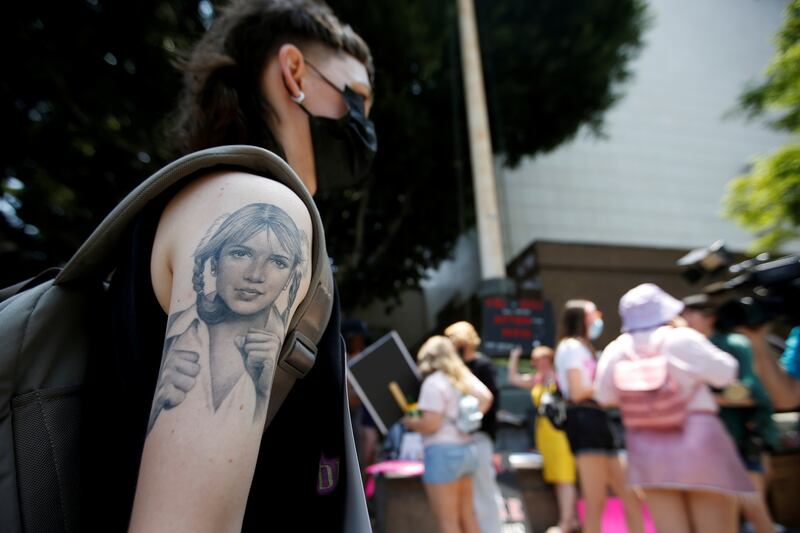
point(695, 431)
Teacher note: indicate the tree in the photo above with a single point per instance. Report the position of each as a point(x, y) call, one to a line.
point(84, 91)
point(92, 83)
point(554, 67)
point(766, 200)
point(550, 67)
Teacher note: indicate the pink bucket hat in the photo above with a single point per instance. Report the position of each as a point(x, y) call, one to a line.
point(647, 306)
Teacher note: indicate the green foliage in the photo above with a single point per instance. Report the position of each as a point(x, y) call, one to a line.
point(85, 88)
point(550, 67)
point(766, 201)
point(779, 93)
point(89, 84)
point(554, 66)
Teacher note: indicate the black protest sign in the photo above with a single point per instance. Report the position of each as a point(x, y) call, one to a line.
point(511, 322)
point(370, 373)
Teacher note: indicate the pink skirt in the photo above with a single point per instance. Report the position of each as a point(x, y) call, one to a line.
point(699, 456)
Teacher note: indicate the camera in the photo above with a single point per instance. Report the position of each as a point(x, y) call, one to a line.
point(752, 292)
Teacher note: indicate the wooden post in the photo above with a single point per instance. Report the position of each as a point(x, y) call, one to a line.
point(490, 237)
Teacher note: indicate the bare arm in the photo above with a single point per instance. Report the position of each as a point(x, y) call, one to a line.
point(229, 290)
point(429, 422)
point(783, 389)
point(523, 381)
point(722, 401)
point(578, 390)
point(482, 393)
point(605, 392)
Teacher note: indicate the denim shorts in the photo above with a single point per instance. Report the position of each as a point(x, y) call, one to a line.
point(445, 463)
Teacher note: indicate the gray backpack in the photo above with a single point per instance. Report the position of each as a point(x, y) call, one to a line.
point(469, 417)
point(44, 327)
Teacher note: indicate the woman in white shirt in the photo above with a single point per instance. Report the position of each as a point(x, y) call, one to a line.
point(450, 457)
point(679, 452)
point(595, 445)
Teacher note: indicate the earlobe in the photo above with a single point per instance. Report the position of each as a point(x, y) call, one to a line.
point(213, 263)
point(293, 69)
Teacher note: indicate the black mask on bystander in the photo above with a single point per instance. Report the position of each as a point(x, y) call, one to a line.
point(345, 147)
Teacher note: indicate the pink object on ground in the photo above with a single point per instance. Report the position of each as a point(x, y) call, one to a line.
point(614, 517)
point(369, 488)
point(396, 468)
point(399, 467)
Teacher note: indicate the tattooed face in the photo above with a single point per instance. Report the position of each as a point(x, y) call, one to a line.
point(251, 274)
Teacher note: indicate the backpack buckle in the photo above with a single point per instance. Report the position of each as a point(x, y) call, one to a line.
point(300, 354)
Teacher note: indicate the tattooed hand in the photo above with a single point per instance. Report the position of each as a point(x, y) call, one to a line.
point(259, 349)
point(177, 378)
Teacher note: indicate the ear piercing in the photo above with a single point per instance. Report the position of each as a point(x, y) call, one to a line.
point(299, 98)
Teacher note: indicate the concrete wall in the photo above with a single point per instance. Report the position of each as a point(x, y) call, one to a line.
point(659, 177)
point(410, 318)
point(603, 274)
point(455, 281)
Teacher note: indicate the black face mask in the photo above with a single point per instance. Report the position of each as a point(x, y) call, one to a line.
point(343, 147)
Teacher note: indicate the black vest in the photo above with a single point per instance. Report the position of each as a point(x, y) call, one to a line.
point(299, 482)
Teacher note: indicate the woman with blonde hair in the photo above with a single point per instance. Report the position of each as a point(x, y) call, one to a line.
point(485, 491)
point(450, 457)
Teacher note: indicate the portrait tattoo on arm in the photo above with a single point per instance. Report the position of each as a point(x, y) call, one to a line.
point(230, 338)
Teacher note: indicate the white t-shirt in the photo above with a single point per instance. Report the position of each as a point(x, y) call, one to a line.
point(571, 353)
point(439, 395)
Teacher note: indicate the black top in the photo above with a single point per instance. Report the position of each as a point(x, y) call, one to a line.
point(484, 370)
point(292, 489)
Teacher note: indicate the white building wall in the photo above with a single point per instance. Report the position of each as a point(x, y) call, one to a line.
point(458, 277)
point(659, 177)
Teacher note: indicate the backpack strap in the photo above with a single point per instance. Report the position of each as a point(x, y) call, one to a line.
point(24, 285)
point(94, 259)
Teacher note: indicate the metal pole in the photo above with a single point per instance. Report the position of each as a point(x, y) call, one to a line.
point(490, 237)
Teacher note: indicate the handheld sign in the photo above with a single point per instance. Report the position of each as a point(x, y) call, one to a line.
point(372, 371)
point(509, 322)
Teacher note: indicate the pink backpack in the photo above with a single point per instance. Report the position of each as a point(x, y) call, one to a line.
point(650, 397)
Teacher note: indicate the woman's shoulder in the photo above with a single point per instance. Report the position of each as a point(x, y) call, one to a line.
point(571, 346)
point(616, 348)
point(201, 205)
point(436, 384)
point(435, 379)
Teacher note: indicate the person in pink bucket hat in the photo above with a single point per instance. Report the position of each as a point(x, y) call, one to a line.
point(679, 453)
